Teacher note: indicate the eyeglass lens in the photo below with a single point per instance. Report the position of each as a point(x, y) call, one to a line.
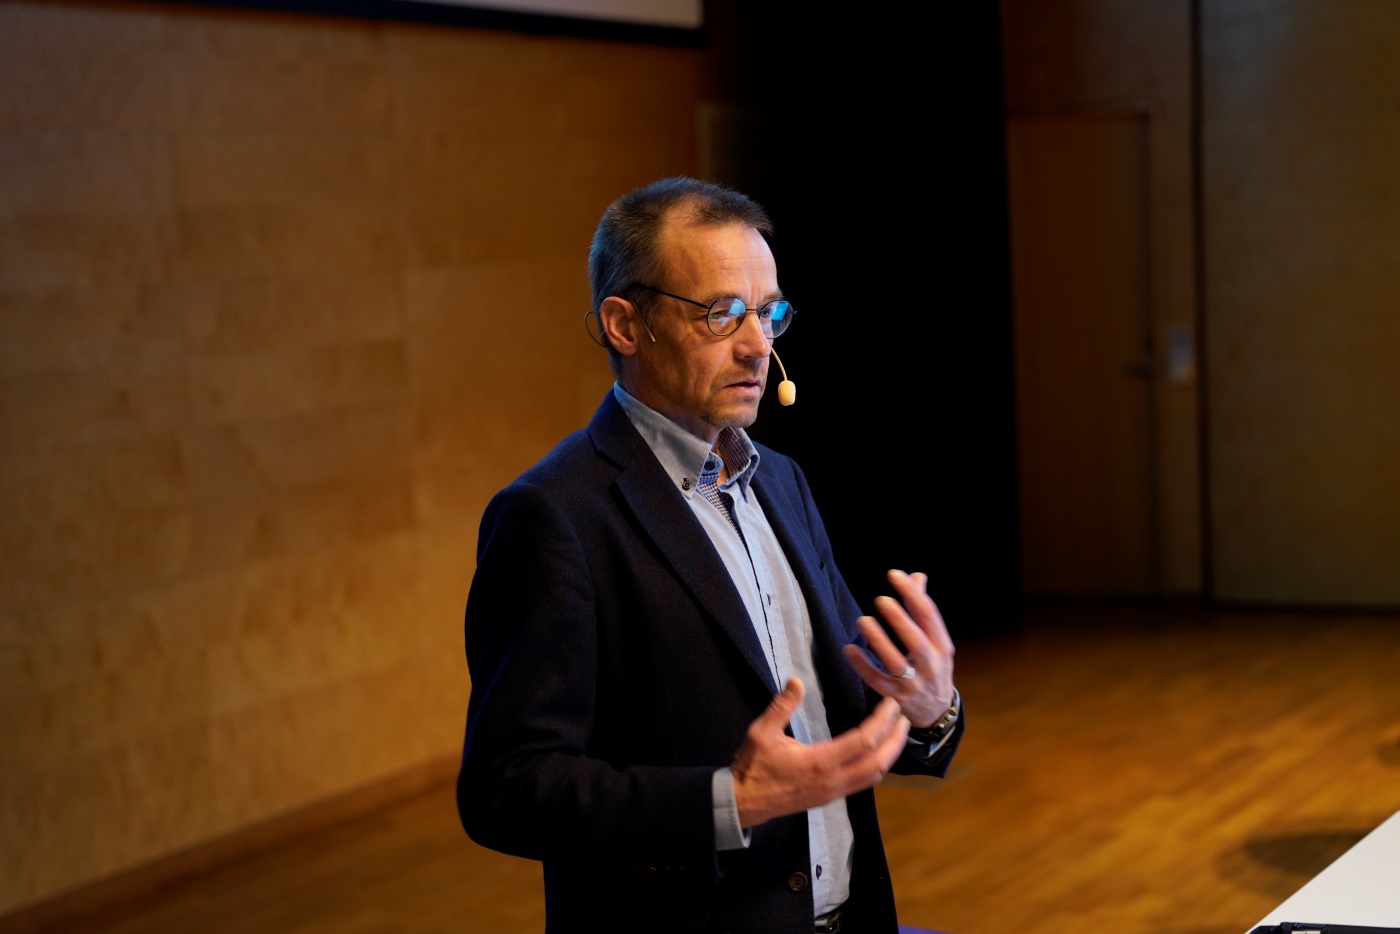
point(727, 314)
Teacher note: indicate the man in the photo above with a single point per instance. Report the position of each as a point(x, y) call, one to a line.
point(667, 704)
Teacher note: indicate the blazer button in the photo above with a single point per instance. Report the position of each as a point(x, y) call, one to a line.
point(797, 881)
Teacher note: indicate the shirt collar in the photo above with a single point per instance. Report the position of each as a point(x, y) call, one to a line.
point(684, 456)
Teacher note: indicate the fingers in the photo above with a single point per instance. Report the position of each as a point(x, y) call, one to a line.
point(893, 747)
point(918, 647)
point(861, 741)
point(917, 624)
point(918, 610)
point(776, 775)
point(885, 650)
point(878, 678)
point(875, 678)
point(889, 744)
point(783, 705)
point(866, 753)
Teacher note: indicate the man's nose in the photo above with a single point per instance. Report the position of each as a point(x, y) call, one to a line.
point(756, 342)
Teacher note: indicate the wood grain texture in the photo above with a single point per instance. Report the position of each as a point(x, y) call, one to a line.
point(1134, 771)
point(1300, 142)
point(284, 299)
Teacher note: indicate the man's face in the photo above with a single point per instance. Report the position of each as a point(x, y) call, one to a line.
point(700, 381)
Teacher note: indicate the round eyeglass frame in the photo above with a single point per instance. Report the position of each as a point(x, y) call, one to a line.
point(713, 312)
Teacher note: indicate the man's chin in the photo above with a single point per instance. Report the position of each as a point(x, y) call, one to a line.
point(734, 416)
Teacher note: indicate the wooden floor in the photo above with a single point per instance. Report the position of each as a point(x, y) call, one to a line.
point(1125, 771)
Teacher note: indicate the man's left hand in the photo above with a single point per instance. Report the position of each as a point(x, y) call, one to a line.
point(921, 677)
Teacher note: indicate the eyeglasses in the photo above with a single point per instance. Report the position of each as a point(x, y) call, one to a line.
point(724, 316)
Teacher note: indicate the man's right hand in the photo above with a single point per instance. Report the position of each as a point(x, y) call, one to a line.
point(775, 775)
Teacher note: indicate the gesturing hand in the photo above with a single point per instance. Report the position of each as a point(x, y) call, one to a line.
point(775, 775)
point(921, 678)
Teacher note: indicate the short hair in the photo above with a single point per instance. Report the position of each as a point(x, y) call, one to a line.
point(626, 245)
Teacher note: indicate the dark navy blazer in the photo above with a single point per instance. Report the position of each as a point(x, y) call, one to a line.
point(614, 668)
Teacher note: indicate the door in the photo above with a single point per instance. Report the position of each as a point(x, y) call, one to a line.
point(1083, 354)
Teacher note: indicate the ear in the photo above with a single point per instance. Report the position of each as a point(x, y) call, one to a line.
point(622, 324)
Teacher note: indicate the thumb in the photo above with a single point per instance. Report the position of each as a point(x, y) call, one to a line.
point(784, 704)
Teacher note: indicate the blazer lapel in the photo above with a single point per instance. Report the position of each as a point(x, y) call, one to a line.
point(667, 520)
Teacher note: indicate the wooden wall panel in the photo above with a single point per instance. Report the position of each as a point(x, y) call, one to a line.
point(1301, 141)
point(283, 301)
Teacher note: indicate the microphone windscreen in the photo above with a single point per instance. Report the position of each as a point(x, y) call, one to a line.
point(787, 389)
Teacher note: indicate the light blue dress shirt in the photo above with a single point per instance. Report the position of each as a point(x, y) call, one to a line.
point(777, 610)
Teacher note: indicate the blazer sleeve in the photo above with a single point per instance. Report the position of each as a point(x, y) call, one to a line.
point(530, 784)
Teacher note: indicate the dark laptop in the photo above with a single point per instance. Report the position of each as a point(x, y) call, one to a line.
point(1300, 927)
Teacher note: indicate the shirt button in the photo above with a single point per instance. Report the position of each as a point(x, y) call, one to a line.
point(819, 870)
point(797, 881)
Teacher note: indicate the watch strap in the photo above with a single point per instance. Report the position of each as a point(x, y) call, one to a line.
point(932, 735)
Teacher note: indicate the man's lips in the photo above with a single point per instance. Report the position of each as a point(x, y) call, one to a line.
point(751, 382)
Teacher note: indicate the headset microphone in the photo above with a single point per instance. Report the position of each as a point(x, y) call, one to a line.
point(787, 389)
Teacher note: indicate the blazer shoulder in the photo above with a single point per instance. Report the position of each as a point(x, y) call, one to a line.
point(772, 457)
point(583, 466)
point(561, 465)
point(775, 467)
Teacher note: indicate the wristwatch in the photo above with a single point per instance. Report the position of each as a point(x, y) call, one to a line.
point(933, 735)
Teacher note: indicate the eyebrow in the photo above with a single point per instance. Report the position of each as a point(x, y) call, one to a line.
point(778, 297)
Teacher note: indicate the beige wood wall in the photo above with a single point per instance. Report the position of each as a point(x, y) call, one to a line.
point(282, 301)
point(1301, 136)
